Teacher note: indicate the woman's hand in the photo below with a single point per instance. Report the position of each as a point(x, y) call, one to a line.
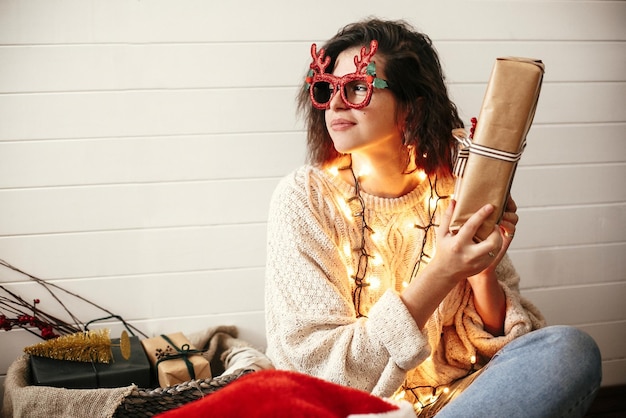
point(458, 256)
point(506, 229)
point(508, 224)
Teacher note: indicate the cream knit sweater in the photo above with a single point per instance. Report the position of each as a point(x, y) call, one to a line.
point(310, 316)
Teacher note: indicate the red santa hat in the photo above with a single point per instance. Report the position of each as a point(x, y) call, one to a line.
point(279, 393)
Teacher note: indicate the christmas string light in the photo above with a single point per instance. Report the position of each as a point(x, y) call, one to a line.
point(431, 207)
point(436, 392)
point(362, 264)
point(364, 257)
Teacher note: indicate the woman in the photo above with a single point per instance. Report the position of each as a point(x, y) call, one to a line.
point(365, 284)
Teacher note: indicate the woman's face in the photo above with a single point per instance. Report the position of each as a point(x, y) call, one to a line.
point(373, 128)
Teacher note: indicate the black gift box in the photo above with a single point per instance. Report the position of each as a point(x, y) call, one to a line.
point(79, 375)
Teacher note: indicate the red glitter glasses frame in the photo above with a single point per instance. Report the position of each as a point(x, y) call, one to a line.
point(365, 71)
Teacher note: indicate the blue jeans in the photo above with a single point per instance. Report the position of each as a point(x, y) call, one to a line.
point(552, 372)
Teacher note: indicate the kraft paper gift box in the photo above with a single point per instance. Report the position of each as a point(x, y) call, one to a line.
point(487, 164)
point(175, 360)
point(81, 375)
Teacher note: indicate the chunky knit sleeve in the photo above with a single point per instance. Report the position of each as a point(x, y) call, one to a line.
point(521, 315)
point(463, 330)
point(310, 317)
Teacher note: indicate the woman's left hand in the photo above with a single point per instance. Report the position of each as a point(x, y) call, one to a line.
point(507, 228)
point(489, 298)
point(508, 225)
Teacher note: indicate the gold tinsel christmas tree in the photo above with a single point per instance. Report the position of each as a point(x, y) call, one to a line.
point(85, 346)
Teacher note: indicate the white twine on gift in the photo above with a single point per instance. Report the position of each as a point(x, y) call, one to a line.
point(467, 147)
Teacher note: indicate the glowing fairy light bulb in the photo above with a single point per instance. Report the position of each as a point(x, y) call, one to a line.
point(405, 284)
point(364, 170)
point(421, 175)
point(374, 282)
point(334, 170)
point(376, 260)
point(446, 389)
point(345, 208)
point(431, 203)
point(350, 271)
point(473, 359)
point(375, 237)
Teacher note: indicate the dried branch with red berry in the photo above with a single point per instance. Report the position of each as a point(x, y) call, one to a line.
point(16, 312)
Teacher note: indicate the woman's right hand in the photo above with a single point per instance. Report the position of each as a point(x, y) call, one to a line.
point(458, 256)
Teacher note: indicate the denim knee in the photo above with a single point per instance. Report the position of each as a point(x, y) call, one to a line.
point(560, 348)
point(589, 358)
point(573, 349)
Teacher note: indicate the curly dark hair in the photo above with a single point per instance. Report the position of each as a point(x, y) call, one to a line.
point(415, 77)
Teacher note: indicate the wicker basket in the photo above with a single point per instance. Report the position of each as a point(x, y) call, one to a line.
point(149, 402)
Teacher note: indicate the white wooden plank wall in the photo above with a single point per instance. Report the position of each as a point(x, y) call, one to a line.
point(140, 143)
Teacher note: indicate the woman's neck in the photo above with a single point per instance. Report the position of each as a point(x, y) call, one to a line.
point(384, 177)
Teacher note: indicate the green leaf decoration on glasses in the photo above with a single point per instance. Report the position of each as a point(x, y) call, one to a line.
point(379, 83)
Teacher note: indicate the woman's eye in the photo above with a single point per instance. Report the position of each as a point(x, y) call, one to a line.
point(360, 88)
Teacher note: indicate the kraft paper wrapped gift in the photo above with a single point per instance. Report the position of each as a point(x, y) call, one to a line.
point(80, 375)
point(175, 360)
point(486, 164)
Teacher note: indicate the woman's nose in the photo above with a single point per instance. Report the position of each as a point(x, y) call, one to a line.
point(336, 101)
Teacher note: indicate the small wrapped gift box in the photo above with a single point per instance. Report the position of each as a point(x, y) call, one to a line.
point(175, 360)
point(487, 163)
point(81, 375)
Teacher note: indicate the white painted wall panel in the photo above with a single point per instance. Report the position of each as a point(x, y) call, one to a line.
point(569, 185)
point(613, 372)
point(571, 225)
point(140, 251)
point(565, 264)
point(97, 21)
point(153, 205)
point(88, 67)
point(575, 143)
point(142, 113)
point(157, 296)
point(586, 304)
point(25, 164)
point(140, 143)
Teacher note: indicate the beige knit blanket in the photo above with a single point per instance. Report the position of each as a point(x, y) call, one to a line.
point(225, 352)
point(23, 400)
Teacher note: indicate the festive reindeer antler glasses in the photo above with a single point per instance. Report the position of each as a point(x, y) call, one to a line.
point(356, 88)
